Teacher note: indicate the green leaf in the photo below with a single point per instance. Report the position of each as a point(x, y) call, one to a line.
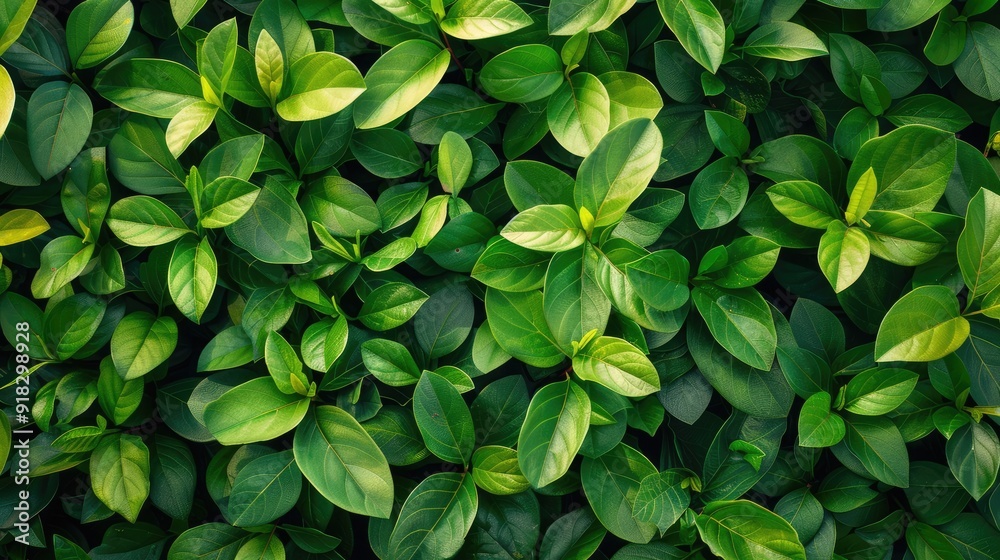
point(523, 74)
point(875, 445)
point(59, 120)
point(922, 326)
point(225, 200)
point(254, 411)
point(342, 461)
point(150, 86)
point(912, 165)
point(897, 15)
point(728, 133)
point(481, 19)
point(141, 342)
point(718, 193)
point(97, 29)
point(618, 170)
point(843, 255)
point(21, 224)
point(218, 540)
point(321, 84)
point(61, 261)
point(977, 71)
point(740, 321)
point(579, 113)
point(188, 124)
point(435, 518)
point(973, 453)
point(742, 529)
point(143, 221)
point(978, 252)
point(618, 365)
point(120, 474)
point(443, 418)
point(547, 227)
point(391, 305)
point(875, 392)
point(274, 230)
point(264, 489)
point(495, 470)
point(661, 279)
point(398, 81)
point(699, 27)
point(662, 498)
point(931, 110)
point(927, 543)
point(862, 197)
point(510, 267)
point(193, 273)
point(818, 425)
point(7, 99)
point(390, 362)
point(13, 18)
point(284, 365)
point(140, 160)
point(553, 431)
point(518, 324)
point(784, 40)
point(185, 10)
point(947, 40)
point(454, 162)
point(612, 483)
point(572, 300)
point(65, 549)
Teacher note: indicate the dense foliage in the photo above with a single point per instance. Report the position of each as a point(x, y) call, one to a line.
point(494, 279)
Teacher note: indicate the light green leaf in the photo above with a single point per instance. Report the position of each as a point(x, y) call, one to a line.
point(143, 221)
point(21, 224)
point(322, 84)
point(119, 470)
point(818, 425)
point(141, 342)
point(979, 244)
point(188, 124)
point(875, 392)
point(699, 27)
point(924, 325)
point(454, 162)
point(618, 365)
point(481, 19)
point(150, 86)
point(784, 40)
point(61, 261)
point(843, 255)
point(553, 431)
point(193, 273)
point(254, 411)
point(398, 81)
point(96, 29)
point(862, 197)
point(618, 170)
point(391, 305)
point(579, 113)
point(523, 74)
point(547, 227)
point(495, 470)
point(741, 529)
